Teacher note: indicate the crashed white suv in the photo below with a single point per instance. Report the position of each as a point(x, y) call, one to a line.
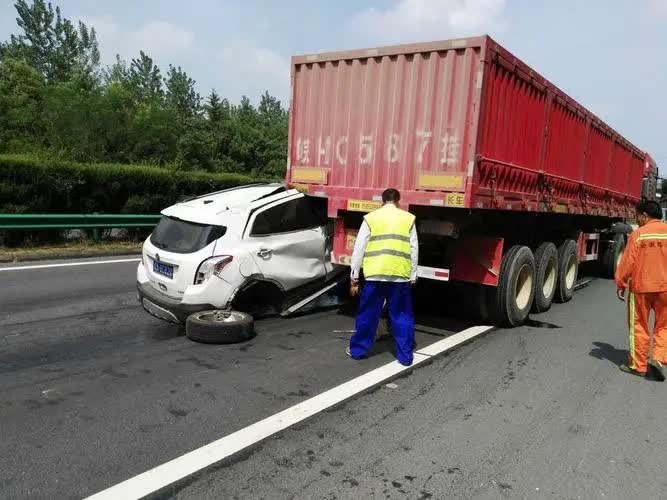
point(256, 248)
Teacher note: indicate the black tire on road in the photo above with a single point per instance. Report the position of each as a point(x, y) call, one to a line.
point(215, 327)
point(485, 297)
point(546, 276)
point(568, 269)
point(611, 256)
point(516, 286)
point(479, 303)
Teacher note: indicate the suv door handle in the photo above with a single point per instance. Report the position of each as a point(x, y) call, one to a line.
point(264, 253)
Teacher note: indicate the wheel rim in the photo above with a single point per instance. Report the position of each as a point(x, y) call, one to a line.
point(220, 316)
point(523, 288)
point(571, 271)
point(549, 286)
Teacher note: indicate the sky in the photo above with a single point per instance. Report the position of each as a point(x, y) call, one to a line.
point(607, 54)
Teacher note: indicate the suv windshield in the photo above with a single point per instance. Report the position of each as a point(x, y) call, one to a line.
point(179, 236)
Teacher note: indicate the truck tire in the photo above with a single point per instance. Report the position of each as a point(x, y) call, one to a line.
point(612, 256)
point(546, 276)
point(219, 327)
point(516, 286)
point(476, 301)
point(568, 269)
point(484, 303)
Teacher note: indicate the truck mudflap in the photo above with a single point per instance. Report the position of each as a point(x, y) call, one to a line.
point(477, 260)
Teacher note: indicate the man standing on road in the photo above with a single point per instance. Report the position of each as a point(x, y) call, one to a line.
point(387, 248)
point(643, 269)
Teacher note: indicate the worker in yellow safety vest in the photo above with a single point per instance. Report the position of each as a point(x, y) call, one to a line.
point(387, 248)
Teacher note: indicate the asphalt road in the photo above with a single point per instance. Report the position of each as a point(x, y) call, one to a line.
point(94, 391)
point(535, 412)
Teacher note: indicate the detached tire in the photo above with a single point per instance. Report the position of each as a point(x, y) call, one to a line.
point(546, 276)
point(516, 287)
point(612, 256)
point(219, 327)
point(568, 269)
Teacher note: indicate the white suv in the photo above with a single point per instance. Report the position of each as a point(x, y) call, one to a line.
point(257, 248)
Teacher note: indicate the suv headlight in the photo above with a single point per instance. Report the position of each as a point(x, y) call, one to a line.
point(212, 266)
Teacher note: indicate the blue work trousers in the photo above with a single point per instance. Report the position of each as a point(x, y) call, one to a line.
point(399, 305)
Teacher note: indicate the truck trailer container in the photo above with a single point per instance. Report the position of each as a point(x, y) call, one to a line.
point(514, 184)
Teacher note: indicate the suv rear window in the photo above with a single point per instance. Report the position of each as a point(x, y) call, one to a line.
point(179, 236)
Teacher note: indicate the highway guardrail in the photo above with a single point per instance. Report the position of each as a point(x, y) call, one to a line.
point(94, 222)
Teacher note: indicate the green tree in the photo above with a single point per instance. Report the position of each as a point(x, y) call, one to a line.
point(72, 121)
point(145, 79)
point(117, 73)
point(216, 109)
point(195, 148)
point(181, 94)
point(55, 99)
point(51, 44)
point(116, 110)
point(21, 92)
point(270, 110)
point(154, 135)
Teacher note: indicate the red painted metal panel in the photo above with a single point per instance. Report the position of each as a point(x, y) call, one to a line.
point(456, 116)
point(478, 260)
point(344, 239)
point(402, 120)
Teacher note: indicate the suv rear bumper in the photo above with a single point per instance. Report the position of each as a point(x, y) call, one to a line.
point(164, 307)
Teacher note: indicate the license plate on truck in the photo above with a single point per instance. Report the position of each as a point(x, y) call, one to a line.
point(163, 269)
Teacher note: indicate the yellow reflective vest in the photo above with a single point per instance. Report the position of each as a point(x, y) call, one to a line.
point(388, 251)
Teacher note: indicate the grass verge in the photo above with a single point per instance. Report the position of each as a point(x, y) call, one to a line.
point(69, 251)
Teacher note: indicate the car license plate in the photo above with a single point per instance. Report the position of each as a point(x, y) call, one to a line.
point(163, 269)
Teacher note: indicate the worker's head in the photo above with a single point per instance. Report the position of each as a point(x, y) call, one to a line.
point(391, 196)
point(648, 211)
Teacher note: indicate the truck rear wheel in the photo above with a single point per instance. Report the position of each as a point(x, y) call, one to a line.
point(477, 301)
point(484, 303)
point(546, 276)
point(568, 269)
point(612, 256)
point(516, 286)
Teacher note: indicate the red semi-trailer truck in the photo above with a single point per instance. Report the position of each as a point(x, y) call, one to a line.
point(514, 184)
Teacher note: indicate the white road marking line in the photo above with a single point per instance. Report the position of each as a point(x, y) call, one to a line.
point(453, 340)
point(69, 264)
point(179, 468)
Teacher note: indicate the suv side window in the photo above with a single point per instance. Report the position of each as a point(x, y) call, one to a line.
point(294, 215)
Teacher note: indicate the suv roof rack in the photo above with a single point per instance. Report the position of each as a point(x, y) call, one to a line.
point(280, 189)
point(196, 197)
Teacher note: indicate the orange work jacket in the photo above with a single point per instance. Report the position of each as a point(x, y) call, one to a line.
point(644, 262)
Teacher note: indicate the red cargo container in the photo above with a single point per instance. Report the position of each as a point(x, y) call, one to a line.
point(460, 124)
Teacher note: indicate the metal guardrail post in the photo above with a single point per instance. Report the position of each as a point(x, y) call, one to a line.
point(96, 232)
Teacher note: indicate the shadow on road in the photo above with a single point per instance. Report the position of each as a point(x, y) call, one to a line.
point(533, 323)
point(166, 331)
point(609, 352)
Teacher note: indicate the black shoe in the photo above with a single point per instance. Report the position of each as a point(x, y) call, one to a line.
point(625, 368)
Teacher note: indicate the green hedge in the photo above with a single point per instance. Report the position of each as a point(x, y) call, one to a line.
point(33, 185)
